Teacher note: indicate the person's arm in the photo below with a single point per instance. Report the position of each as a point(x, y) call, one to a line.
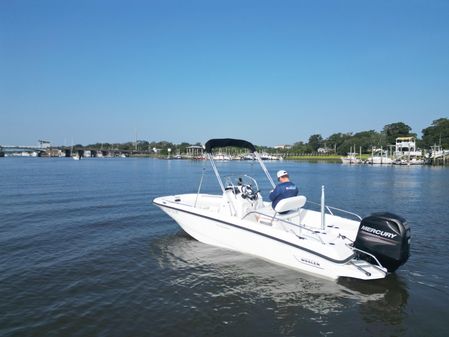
point(275, 193)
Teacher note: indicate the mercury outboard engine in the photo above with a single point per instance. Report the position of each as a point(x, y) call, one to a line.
point(387, 237)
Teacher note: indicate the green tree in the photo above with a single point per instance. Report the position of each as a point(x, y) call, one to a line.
point(336, 141)
point(437, 133)
point(366, 140)
point(182, 147)
point(395, 130)
point(129, 146)
point(315, 142)
point(298, 147)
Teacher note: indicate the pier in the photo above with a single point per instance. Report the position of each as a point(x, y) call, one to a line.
point(438, 156)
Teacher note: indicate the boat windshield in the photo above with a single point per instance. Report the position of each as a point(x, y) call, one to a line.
point(244, 180)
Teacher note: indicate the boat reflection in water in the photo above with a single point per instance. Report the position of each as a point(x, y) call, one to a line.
point(237, 287)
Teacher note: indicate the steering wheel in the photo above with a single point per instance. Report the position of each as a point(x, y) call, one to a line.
point(249, 192)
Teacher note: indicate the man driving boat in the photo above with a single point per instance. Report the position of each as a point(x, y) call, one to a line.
point(285, 188)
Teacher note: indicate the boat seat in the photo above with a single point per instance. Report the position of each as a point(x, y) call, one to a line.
point(290, 204)
point(285, 209)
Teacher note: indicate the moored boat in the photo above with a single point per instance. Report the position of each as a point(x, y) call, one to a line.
point(379, 157)
point(351, 158)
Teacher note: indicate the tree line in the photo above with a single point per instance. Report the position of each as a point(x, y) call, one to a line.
point(339, 143)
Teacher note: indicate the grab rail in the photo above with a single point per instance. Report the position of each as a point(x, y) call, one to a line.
point(370, 255)
point(329, 208)
point(313, 232)
point(199, 187)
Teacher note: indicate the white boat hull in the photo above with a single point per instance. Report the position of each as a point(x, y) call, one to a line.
point(380, 160)
point(350, 160)
point(326, 259)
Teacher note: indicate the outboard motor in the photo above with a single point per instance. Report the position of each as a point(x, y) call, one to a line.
point(387, 237)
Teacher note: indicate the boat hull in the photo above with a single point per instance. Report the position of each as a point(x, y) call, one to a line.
point(268, 243)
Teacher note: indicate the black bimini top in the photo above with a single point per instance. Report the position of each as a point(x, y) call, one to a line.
point(224, 142)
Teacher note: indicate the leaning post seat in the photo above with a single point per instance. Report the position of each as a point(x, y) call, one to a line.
point(290, 204)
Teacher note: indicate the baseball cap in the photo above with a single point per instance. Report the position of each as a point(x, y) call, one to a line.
point(282, 173)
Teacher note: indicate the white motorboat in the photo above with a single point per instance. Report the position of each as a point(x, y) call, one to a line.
point(351, 158)
point(319, 242)
point(379, 157)
point(410, 161)
point(222, 157)
point(406, 152)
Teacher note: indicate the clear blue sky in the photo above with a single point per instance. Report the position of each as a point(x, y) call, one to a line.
point(271, 72)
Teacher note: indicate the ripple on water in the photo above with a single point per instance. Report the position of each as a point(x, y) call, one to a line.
point(87, 254)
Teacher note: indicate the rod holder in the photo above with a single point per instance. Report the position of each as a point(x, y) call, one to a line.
point(323, 211)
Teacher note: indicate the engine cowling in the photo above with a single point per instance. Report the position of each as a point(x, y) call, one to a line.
point(387, 236)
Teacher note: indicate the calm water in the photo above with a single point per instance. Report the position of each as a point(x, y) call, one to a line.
point(83, 252)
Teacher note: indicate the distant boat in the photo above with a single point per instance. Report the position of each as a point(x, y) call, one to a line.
point(437, 152)
point(379, 160)
point(379, 157)
point(351, 158)
point(222, 157)
point(406, 152)
point(267, 156)
point(411, 161)
point(248, 156)
point(75, 156)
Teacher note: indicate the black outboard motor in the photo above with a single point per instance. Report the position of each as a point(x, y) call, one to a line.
point(387, 237)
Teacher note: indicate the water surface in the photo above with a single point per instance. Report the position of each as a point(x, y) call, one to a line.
point(83, 252)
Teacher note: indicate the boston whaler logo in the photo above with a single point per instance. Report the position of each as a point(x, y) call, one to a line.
point(379, 232)
point(310, 261)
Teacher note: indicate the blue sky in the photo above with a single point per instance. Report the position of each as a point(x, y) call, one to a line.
point(271, 72)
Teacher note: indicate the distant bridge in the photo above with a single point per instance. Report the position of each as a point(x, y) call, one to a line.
point(42, 147)
point(21, 148)
point(65, 151)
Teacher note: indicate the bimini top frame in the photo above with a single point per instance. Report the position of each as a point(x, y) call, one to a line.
point(226, 142)
point(230, 142)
